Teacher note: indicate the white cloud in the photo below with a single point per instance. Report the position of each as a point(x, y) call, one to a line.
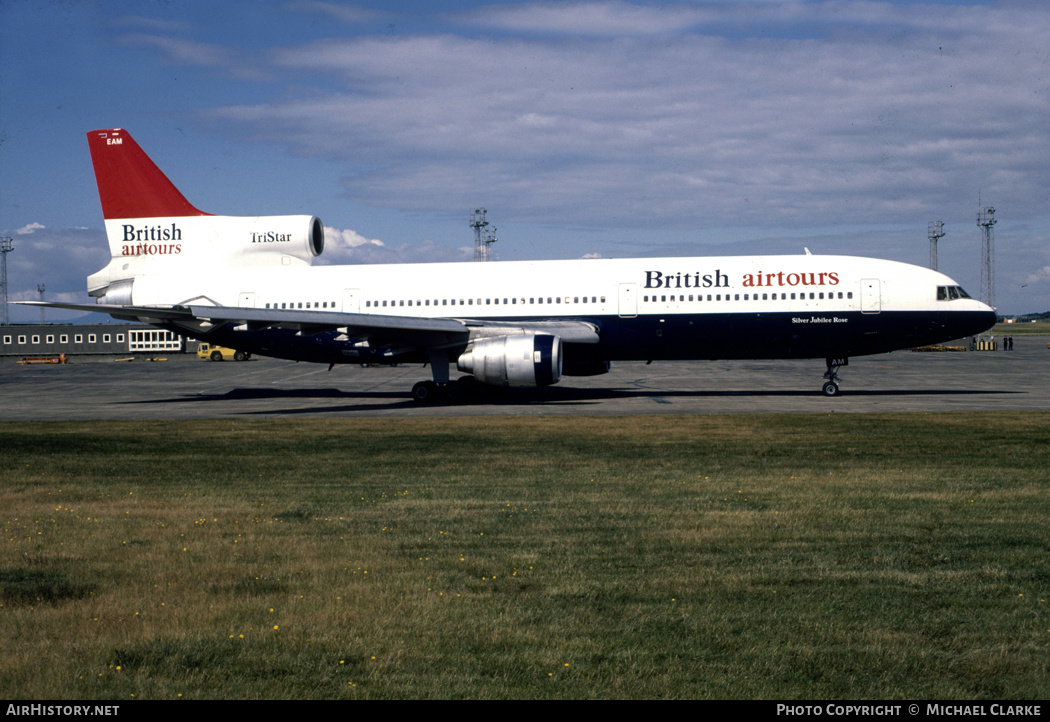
point(828, 120)
point(342, 13)
point(344, 246)
point(60, 258)
point(348, 238)
point(239, 64)
point(687, 131)
point(1040, 276)
point(588, 18)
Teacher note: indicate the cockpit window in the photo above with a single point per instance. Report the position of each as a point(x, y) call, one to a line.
point(951, 293)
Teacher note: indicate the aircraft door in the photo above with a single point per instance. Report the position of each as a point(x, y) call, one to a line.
point(628, 300)
point(870, 295)
point(351, 301)
point(246, 300)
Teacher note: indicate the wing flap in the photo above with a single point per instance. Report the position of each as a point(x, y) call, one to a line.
point(317, 321)
point(570, 331)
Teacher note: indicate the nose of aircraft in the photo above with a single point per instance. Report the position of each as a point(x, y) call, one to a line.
point(979, 320)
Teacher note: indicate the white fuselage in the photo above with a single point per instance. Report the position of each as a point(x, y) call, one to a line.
point(570, 289)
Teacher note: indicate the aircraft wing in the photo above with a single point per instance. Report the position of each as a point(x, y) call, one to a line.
point(421, 332)
point(411, 330)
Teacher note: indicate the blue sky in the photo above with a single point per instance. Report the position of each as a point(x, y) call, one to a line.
point(613, 129)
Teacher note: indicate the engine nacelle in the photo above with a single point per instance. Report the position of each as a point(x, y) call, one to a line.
point(301, 237)
point(532, 359)
point(159, 246)
point(254, 241)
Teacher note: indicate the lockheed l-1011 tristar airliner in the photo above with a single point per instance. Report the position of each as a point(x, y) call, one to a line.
point(249, 283)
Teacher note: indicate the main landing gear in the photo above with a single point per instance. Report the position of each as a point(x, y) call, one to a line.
point(442, 389)
point(427, 392)
point(432, 392)
point(831, 386)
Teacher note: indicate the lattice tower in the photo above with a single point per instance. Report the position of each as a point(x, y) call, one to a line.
point(935, 232)
point(986, 220)
point(482, 243)
point(6, 246)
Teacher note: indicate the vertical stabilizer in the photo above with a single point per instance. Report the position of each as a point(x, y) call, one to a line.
point(157, 237)
point(130, 185)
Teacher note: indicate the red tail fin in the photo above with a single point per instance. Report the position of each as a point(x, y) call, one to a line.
point(130, 185)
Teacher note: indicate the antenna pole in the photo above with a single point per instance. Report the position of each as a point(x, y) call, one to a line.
point(985, 220)
point(482, 244)
point(935, 232)
point(6, 246)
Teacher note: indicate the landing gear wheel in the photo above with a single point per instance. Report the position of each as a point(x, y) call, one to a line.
point(454, 392)
point(463, 388)
point(425, 392)
point(831, 376)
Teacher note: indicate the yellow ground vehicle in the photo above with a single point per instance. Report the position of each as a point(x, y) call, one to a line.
point(220, 353)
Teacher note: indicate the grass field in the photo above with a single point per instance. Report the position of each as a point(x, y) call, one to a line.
point(1039, 328)
point(739, 556)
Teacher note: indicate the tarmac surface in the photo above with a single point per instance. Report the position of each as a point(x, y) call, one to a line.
point(183, 387)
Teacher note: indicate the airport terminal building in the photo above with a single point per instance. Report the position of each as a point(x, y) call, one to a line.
point(52, 339)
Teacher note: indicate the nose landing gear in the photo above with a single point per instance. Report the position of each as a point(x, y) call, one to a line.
point(831, 386)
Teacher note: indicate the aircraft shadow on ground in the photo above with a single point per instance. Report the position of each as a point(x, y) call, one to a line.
point(357, 401)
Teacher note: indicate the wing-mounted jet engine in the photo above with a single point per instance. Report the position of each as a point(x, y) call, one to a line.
point(527, 360)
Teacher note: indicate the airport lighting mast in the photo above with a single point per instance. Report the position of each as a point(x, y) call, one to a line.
point(482, 244)
point(985, 220)
point(6, 246)
point(934, 232)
